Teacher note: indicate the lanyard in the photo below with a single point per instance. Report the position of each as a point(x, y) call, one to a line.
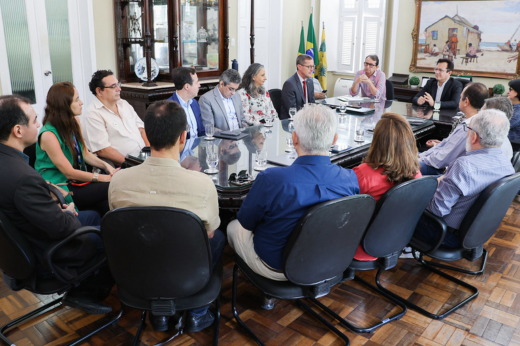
point(78, 151)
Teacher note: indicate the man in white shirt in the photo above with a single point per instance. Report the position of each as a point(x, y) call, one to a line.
point(111, 127)
point(221, 106)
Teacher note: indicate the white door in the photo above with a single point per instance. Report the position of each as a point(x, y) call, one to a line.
point(268, 41)
point(43, 42)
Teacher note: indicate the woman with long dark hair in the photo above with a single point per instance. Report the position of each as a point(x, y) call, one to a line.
point(392, 159)
point(256, 102)
point(62, 156)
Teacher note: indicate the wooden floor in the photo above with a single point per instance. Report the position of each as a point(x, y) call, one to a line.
point(492, 319)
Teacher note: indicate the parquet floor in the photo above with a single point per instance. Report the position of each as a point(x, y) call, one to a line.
point(491, 319)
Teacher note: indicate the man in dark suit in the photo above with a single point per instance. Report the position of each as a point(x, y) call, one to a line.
point(221, 106)
point(187, 87)
point(299, 89)
point(442, 89)
point(27, 202)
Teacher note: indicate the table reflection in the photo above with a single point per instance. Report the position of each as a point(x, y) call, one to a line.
point(237, 156)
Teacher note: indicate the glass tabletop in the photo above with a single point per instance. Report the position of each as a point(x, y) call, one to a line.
point(273, 145)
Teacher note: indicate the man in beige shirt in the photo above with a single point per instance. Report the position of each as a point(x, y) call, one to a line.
point(111, 127)
point(161, 181)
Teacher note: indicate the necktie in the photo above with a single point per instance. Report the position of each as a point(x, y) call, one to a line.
point(305, 92)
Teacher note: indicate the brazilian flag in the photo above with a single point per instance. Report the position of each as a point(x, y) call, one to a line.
point(301, 49)
point(321, 69)
point(312, 47)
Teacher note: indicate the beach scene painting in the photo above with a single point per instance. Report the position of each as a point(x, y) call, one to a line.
point(482, 38)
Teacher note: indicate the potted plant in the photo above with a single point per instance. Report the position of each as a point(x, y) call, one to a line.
point(414, 82)
point(498, 90)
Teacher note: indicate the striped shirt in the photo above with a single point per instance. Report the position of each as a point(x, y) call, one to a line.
point(464, 180)
point(379, 81)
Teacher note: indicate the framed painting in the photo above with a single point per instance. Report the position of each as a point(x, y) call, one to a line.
point(481, 37)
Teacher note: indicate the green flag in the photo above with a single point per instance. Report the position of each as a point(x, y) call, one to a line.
point(312, 47)
point(301, 49)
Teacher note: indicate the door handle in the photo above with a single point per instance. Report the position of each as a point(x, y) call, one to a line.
point(47, 73)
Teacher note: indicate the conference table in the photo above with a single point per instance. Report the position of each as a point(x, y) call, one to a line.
point(241, 155)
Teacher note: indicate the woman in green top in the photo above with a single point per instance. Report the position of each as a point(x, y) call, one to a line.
point(61, 154)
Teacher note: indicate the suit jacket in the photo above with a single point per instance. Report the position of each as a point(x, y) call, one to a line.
point(26, 201)
point(292, 95)
point(201, 131)
point(450, 95)
point(214, 111)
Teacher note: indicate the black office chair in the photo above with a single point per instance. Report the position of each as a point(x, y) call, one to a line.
point(515, 161)
point(161, 261)
point(479, 224)
point(391, 228)
point(19, 267)
point(276, 97)
point(317, 253)
point(515, 145)
point(389, 90)
point(463, 81)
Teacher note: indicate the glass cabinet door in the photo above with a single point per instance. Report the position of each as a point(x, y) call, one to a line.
point(160, 32)
point(199, 34)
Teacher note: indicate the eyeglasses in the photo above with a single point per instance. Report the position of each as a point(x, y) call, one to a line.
point(440, 69)
point(113, 86)
point(231, 89)
point(466, 128)
point(310, 67)
point(510, 88)
point(369, 64)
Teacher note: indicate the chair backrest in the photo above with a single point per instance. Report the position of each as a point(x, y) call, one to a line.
point(325, 239)
point(487, 212)
point(515, 161)
point(342, 86)
point(31, 152)
point(276, 98)
point(515, 145)
point(16, 255)
point(396, 216)
point(157, 252)
point(463, 81)
point(389, 90)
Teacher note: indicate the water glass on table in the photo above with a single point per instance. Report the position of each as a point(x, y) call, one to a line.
point(211, 159)
point(292, 112)
point(268, 120)
point(210, 130)
point(261, 160)
point(342, 107)
point(360, 134)
point(437, 106)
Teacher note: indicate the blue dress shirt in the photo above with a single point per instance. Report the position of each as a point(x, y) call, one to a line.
point(281, 195)
point(464, 180)
point(514, 131)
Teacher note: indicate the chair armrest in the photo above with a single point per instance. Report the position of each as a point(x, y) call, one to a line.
point(49, 252)
point(442, 226)
point(58, 194)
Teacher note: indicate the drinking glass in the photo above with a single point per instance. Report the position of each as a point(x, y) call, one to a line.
point(437, 106)
point(342, 107)
point(342, 121)
point(292, 112)
point(211, 159)
point(210, 130)
point(360, 134)
point(268, 120)
point(290, 146)
point(261, 160)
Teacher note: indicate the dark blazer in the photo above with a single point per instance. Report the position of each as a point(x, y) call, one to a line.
point(201, 131)
point(450, 95)
point(25, 199)
point(292, 95)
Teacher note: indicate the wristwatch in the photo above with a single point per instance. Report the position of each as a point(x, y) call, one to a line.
point(95, 177)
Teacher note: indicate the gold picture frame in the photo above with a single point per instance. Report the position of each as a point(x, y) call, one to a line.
point(455, 35)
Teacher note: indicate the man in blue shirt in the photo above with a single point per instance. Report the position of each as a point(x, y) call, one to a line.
point(187, 87)
point(280, 196)
point(435, 160)
point(468, 176)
